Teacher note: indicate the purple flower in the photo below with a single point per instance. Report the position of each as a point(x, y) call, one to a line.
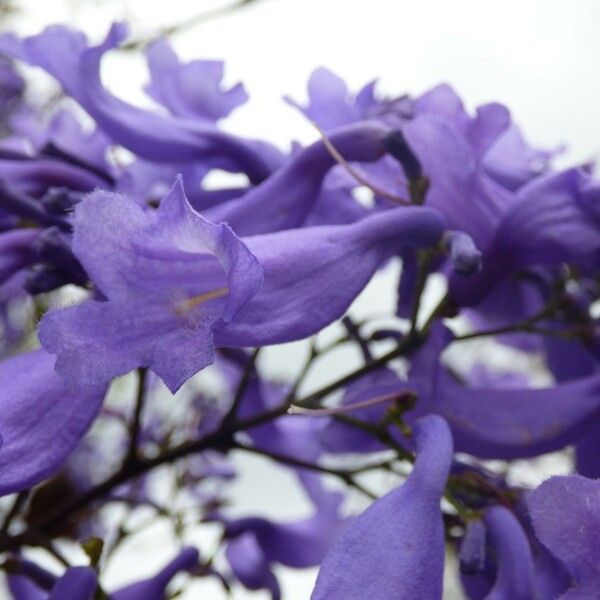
point(80, 583)
point(510, 570)
point(332, 105)
point(288, 197)
point(11, 91)
point(176, 284)
point(398, 542)
point(255, 543)
point(149, 135)
point(168, 275)
point(193, 89)
point(565, 512)
point(154, 587)
point(41, 420)
point(504, 423)
point(549, 222)
point(16, 251)
point(312, 275)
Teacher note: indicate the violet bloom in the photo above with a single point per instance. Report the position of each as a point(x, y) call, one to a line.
point(288, 197)
point(509, 567)
point(312, 275)
point(149, 135)
point(169, 276)
point(550, 221)
point(256, 544)
point(494, 144)
point(80, 583)
point(41, 420)
point(154, 587)
point(396, 547)
point(193, 90)
point(177, 285)
point(503, 423)
point(16, 251)
point(477, 181)
point(11, 91)
point(514, 571)
point(330, 103)
point(565, 512)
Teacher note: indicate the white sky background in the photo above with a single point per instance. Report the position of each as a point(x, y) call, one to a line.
point(540, 57)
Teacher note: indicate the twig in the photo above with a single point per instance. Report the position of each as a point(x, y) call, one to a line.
point(189, 23)
point(132, 451)
point(346, 408)
point(248, 374)
point(345, 475)
point(15, 509)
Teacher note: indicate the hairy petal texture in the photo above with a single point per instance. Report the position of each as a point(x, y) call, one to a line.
point(41, 419)
point(565, 512)
point(404, 557)
point(168, 277)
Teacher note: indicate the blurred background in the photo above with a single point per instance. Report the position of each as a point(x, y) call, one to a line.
point(539, 57)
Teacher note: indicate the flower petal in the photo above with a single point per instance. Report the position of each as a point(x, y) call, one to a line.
point(41, 420)
point(405, 533)
point(565, 512)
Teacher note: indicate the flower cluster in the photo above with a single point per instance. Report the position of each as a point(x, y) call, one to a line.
point(173, 275)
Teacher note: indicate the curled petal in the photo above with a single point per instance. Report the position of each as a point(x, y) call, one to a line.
point(330, 102)
point(312, 275)
point(505, 423)
point(405, 532)
point(472, 548)
point(154, 588)
point(548, 223)
point(250, 566)
point(565, 512)
point(149, 135)
point(514, 576)
point(193, 89)
point(41, 419)
point(78, 583)
point(16, 251)
point(286, 199)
